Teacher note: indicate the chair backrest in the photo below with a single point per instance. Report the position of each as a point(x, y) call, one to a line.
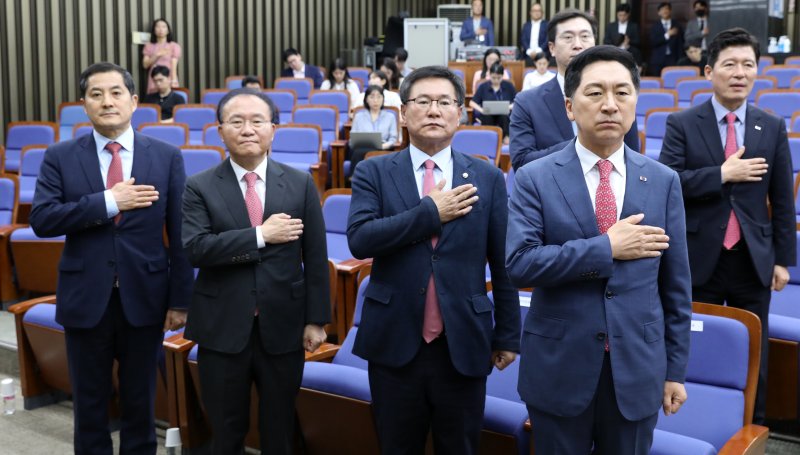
point(460, 73)
point(30, 161)
point(195, 116)
point(721, 377)
point(652, 99)
point(650, 83)
point(782, 102)
point(232, 82)
point(763, 62)
point(79, 129)
point(794, 123)
point(176, 134)
point(20, 134)
point(297, 144)
point(69, 115)
point(479, 140)
point(284, 101)
point(359, 73)
point(183, 92)
point(794, 61)
point(671, 74)
point(338, 98)
point(335, 208)
point(701, 96)
point(326, 116)
point(510, 175)
point(345, 355)
point(145, 113)
point(687, 85)
point(211, 136)
point(302, 87)
point(794, 148)
point(212, 96)
point(761, 83)
point(198, 158)
point(784, 74)
point(795, 83)
point(655, 129)
point(9, 198)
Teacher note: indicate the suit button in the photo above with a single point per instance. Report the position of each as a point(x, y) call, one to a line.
point(600, 336)
point(609, 294)
point(434, 258)
point(421, 290)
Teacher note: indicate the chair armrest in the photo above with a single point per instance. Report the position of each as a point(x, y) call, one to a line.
point(324, 353)
point(320, 173)
point(338, 151)
point(177, 343)
point(352, 266)
point(749, 440)
point(22, 307)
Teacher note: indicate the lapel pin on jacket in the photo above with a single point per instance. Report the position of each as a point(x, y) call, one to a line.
point(758, 127)
point(642, 178)
point(465, 175)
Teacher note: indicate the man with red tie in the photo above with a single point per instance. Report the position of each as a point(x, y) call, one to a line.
point(735, 168)
point(113, 193)
point(254, 228)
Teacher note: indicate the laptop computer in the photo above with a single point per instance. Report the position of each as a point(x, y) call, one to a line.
point(366, 139)
point(495, 107)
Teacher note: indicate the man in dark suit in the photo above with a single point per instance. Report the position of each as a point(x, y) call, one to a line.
point(254, 228)
point(431, 217)
point(477, 29)
point(736, 172)
point(666, 40)
point(697, 29)
point(299, 69)
point(533, 38)
point(113, 193)
point(623, 33)
point(598, 230)
point(539, 125)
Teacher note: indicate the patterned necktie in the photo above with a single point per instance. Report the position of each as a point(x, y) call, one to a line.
point(255, 209)
point(605, 204)
point(432, 324)
point(114, 174)
point(732, 233)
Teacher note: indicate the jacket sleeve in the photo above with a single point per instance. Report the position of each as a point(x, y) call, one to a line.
point(522, 131)
point(181, 275)
point(705, 182)
point(315, 259)
point(784, 234)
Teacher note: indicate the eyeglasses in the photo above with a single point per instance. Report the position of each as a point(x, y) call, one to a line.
point(423, 102)
point(239, 123)
point(569, 37)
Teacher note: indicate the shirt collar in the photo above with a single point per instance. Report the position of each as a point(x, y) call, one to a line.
point(260, 170)
point(721, 111)
point(588, 159)
point(125, 139)
point(441, 158)
point(536, 22)
point(560, 80)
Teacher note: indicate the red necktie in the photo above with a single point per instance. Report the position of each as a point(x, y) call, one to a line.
point(605, 205)
point(733, 233)
point(114, 175)
point(255, 209)
point(432, 324)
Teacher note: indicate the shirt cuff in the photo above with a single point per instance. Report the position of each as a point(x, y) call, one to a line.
point(666, 36)
point(111, 204)
point(260, 237)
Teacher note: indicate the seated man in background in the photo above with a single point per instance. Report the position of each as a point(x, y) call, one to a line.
point(299, 69)
point(694, 56)
point(251, 82)
point(164, 96)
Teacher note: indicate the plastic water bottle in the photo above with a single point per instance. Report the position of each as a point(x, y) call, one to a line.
point(173, 441)
point(785, 44)
point(8, 395)
point(772, 47)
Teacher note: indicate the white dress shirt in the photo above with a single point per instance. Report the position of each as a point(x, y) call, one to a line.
point(534, 42)
point(592, 174)
point(443, 169)
point(260, 187)
point(126, 156)
point(534, 79)
point(622, 27)
point(301, 73)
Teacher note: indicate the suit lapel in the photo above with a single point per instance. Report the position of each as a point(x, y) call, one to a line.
point(276, 192)
point(568, 176)
point(403, 177)
point(752, 132)
point(90, 163)
point(461, 168)
point(637, 188)
point(709, 131)
point(554, 100)
point(231, 193)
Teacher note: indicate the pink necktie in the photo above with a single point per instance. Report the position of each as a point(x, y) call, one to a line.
point(432, 324)
point(114, 175)
point(732, 233)
point(255, 209)
point(605, 205)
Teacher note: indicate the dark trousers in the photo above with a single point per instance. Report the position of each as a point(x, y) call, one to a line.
point(91, 354)
point(601, 429)
point(735, 283)
point(427, 394)
point(496, 120)
point(226, 381)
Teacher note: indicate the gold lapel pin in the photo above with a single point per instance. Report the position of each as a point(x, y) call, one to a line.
point(465, 175)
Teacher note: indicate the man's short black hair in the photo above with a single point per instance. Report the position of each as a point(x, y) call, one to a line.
point(602, 53)
point(624, 7)
point(565, 15)
point(400, 54)
point(288, 53)
point(730, 38)
point(160, 69)
point(432, 72)
point(663, 4)
point(693, 43)
point(702, 2)
point(105, 67)
point(246, 91)
point(251, 80)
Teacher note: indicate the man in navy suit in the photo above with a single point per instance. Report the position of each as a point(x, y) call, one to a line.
point(533, 38)
point(736, 172)
point(666, 40)
point(113, 193)
point(539, 125)
point(623, 33)
point(478, 28)
point(598, 230)
point(299, 69)
point(428, 328)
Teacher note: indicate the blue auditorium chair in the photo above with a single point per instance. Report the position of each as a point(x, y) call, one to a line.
point(335, 209)
point(301, 87)
point(232, 82)
point(671, 74)
point(9, 206)
point(361, 74)
point(36, 260)
point(655, 128)
point(145, 113)
point(30, 162)
point(69, 115)
point(480, 141)
point(198, 158)
point(688, 85)
point(20, 134)
point(176, 134)
point(80, 129)
point(338, 98)
point(211, 136)
point(300, 146)
point(213, 95)
point(782, 103)
point(650, 83)
point(196, 116)
point(652, 99)
point(763, 62)
point(324, 116)
point(701, 96)
point(759, 84)
point(285, 101)
point(783, 73)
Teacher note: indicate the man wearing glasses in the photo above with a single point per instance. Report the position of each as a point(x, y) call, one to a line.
point(431, 217)
point(254, 229)
point(539, 124)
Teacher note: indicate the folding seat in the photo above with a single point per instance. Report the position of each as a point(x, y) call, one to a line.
point(338, 98)
point(783, 73)
point(176, 134)
point(763, 62)
point(655, 129)
point(232, 82)
point(335, 209)
point(792, 61)
point(301, 87)
point(80, 129)
point(285, 101)
point(20, 134)
point(361, 74)
point(198, 158)
point(794, 123)
point(671, 74)
point(36, 260)
point(479, 140)
point(324, 116)
point(650, 83)
point(213, 96)
point(145, 113)
point(782, 103)
point(688, 85)
point(69, 115)
point(759, 84)
point(651, 99)
point(30, 162)
point(795, 83)
point(300, 146)
point(196, 116)
point(701, 96)
point(183, 93)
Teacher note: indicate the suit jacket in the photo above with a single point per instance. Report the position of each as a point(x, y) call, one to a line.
point(311, 71)
point(390, 223)
point(693, 32)
point(632, 32)
point(693, 147)
point(525, 37)
point(468, 31)
point(287, 283)
point(582, 297)
point(659, 45)
point(540, 126)
point(69, 201)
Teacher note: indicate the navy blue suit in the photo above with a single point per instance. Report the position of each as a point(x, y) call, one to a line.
point(390, 223)
point(584, 298)
point(540, 126)
point(468, 31)
point(659, 45)
point(525, 38)
point(152, 278)
point(311, 71)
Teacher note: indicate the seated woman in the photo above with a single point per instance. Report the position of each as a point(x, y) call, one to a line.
point(490, 57)
point(380, 79)
point(373, 118)
point(389, 67)
point(540, 76)
point(496, 90)
point(339, 79)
